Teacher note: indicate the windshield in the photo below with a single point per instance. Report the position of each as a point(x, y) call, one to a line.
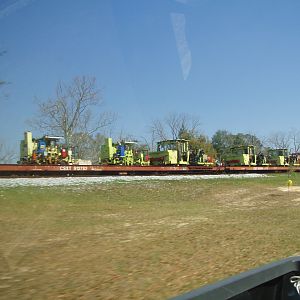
point(106, 81)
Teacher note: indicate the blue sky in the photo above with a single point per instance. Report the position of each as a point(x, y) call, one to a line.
point(234, 64)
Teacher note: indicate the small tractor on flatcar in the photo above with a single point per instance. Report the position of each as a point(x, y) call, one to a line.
point(122, 153)
point(45, 150)
point(294, 159)
point(141, 157)
point(278, 157)
point(200, 158)
point(171, 152)
point(262, 159)
point(241, 156)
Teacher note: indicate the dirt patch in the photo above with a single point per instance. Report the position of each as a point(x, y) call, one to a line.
point(289, 189)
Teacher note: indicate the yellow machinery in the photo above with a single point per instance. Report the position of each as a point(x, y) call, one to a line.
point(171, 152)
point(123, 153)
point(198, 157)
point(278, 157)
point(45, 150)
point(241, 156)
point(141, 157)
point(294, 159)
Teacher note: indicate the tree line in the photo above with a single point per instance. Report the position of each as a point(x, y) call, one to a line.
point(76, 114)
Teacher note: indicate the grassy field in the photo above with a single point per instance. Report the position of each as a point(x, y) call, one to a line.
point(141, 240)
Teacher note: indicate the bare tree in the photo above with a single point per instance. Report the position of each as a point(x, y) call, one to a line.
point(6, 154)
point(295, 140)
point(70, 113)
point(88, 147)
point(175, 122)
point(280, 140)
point(158, 130)
point(173, 125)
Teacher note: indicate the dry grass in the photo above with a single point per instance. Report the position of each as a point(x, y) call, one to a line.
point(147, 240)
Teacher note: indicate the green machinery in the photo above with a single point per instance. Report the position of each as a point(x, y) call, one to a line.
point(141, 157)
point(278, 157)
point(45, 150)
point(241, 156)
point(294, 159)
point(246, 156)
point(198, 157)
point(262, 159)
point(171, 152)
point(122, 153)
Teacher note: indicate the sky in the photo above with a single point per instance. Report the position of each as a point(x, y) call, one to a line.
point(233, 64)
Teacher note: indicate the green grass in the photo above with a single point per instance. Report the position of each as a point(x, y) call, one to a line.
point(141, 240)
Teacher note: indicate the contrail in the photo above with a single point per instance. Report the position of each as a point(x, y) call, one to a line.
point(11, 6)
point(185, 56)
point(182, 1)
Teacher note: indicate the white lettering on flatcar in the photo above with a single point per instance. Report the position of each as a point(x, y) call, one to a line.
point(80, 168)
point(65, 168)
point(73, 168)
